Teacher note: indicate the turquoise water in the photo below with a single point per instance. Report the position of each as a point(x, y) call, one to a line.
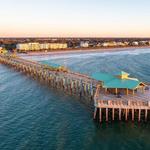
point(35, 117)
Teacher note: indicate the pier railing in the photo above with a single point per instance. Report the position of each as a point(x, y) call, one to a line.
point(108, 105)
point(129, 104)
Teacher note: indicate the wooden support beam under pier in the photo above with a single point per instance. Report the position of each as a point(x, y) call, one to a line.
point(107, 114)
point(145, 114)
point(126, 114)
point(127, 92)
point(139, 117)
point(113, 114)
point(120, 114)
point(100, 114)
point(132, 114)
point(95, 111)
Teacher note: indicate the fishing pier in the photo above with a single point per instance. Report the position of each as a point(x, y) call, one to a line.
point(121, 98)
point(114, 97)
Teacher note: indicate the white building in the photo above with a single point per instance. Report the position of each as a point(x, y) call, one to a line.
point(84, 44)
point(28, 46)
point(42, 46)
point(55, 46)
point(109, 44)
point(99, 45)
point(135, 43)
point(105, 44)
point(121, 44)
point(143, 43)
point(24, 46)
point(34, 46)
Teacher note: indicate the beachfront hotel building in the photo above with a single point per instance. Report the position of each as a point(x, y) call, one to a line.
point(28, 46)
point(58, 45)
point(109, 44)
point(44, 46)
point(40, 46)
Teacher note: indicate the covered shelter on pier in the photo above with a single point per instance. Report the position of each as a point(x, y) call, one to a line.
point(50, 65)
point(120, 82)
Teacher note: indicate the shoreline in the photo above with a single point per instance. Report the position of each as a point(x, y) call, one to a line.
point(82, 50)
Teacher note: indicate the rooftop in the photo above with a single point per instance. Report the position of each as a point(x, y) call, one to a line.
point(119, 80)
point(51, 64)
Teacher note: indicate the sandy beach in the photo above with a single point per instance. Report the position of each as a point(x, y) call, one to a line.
point(83, 50)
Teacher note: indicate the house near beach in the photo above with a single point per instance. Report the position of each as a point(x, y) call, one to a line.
point(84, 44)
point(109, 44)
point(135, 43)
point(143, 43)
point(121, 44)
point(28, 46)
point(99, 44)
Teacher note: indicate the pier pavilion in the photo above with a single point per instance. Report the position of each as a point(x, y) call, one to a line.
point(55, 67)
point(121, 95)
point(120, 83)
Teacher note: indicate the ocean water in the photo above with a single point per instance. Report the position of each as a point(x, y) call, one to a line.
point(35, 117)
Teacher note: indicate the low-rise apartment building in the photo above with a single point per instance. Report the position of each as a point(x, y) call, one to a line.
point(109, 44)
point(42, 46)
point(57, 46)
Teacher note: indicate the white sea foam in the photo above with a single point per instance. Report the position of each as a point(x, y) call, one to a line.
point(88, 54)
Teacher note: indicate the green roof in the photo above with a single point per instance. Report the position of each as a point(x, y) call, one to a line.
point(51, 64)
point(111, 81)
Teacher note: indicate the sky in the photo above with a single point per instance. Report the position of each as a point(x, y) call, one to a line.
point(75, 18)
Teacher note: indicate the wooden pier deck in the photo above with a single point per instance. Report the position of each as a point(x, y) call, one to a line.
point(124, 107)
